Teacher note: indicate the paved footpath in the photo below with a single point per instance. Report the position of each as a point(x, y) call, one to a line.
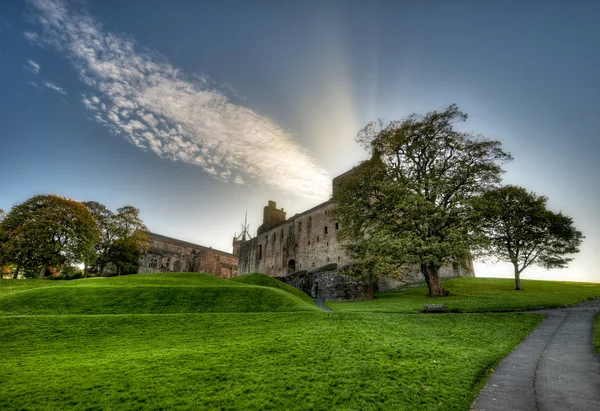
point(554, 369)
point(320, 302)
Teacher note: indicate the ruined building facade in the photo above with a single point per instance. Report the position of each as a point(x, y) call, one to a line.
point(304, 249)
point(283, 246)
point(166, 254)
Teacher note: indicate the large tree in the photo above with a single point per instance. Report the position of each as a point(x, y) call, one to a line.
point(408, 203)
point(47, 230)
point(120, 233)
point(519, 229)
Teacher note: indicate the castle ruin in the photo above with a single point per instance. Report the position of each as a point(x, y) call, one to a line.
point(304, 251)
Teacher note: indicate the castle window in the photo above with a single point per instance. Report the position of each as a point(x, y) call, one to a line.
point(153, 263)
point(260, 251)
point(308, 242)
point(317, 239)
point(337, 226)
point(327, 242)
point(327, 259)
point(326, 212)
point(282, 233)
point(313, 264)
point(325, 230)
point(299, 226)
point(339, 258)
point(177, 266)
point(309, 222)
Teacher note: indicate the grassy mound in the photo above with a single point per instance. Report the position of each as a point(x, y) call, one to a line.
point(266, 281)
point(146, 294)
point(480, 294)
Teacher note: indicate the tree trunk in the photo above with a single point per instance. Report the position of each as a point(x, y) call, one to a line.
point(17, 272)
point(432, 278)
point(517, 277)
point(42, 272)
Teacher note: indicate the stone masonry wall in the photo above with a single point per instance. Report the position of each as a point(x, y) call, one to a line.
point(303, 242)
point(167, 254)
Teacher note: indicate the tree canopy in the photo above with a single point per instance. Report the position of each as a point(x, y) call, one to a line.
point(518, 228)
point(122, 237)
point(47, 230)
point(408, 203)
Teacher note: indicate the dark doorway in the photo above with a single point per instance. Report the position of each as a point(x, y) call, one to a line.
point(291, 268)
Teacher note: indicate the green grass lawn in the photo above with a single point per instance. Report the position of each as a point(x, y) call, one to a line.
point(265, 281)
point(477, 295)
point(193, 341)
point(304, 360)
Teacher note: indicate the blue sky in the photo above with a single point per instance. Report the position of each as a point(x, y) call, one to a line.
point(195, 112)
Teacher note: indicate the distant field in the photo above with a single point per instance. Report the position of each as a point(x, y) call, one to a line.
point(200, 342)
point(477, 295)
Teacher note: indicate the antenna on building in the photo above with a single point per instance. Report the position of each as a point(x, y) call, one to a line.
point(245, 228)
point(245, 234)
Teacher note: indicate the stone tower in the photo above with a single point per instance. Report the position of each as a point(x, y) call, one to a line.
point(272, 217)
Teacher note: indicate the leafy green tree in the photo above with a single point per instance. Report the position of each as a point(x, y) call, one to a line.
point(408, 203)
point(519, 229)
point(124, 253)
point(47, 230)
point(108, 234)
point(118, 231)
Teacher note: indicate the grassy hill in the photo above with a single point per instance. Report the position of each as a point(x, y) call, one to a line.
point(253, 343)
point(161, 293)
point(266, 281)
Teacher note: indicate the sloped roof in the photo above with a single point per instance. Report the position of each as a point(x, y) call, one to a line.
point(182, 243)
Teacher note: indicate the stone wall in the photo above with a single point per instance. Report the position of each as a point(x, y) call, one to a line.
point(302, 242)
point(167, 254)
point(411, 275)
point(329, 284)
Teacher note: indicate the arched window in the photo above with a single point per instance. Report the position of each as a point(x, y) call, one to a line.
point(177, 266)
point(153, 263)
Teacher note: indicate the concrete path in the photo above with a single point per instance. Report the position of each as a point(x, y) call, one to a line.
point(554, 369)
point(321, 304)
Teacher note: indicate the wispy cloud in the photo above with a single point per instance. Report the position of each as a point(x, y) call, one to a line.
point(143, 98)
point(51, 86)
point(33, 66)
